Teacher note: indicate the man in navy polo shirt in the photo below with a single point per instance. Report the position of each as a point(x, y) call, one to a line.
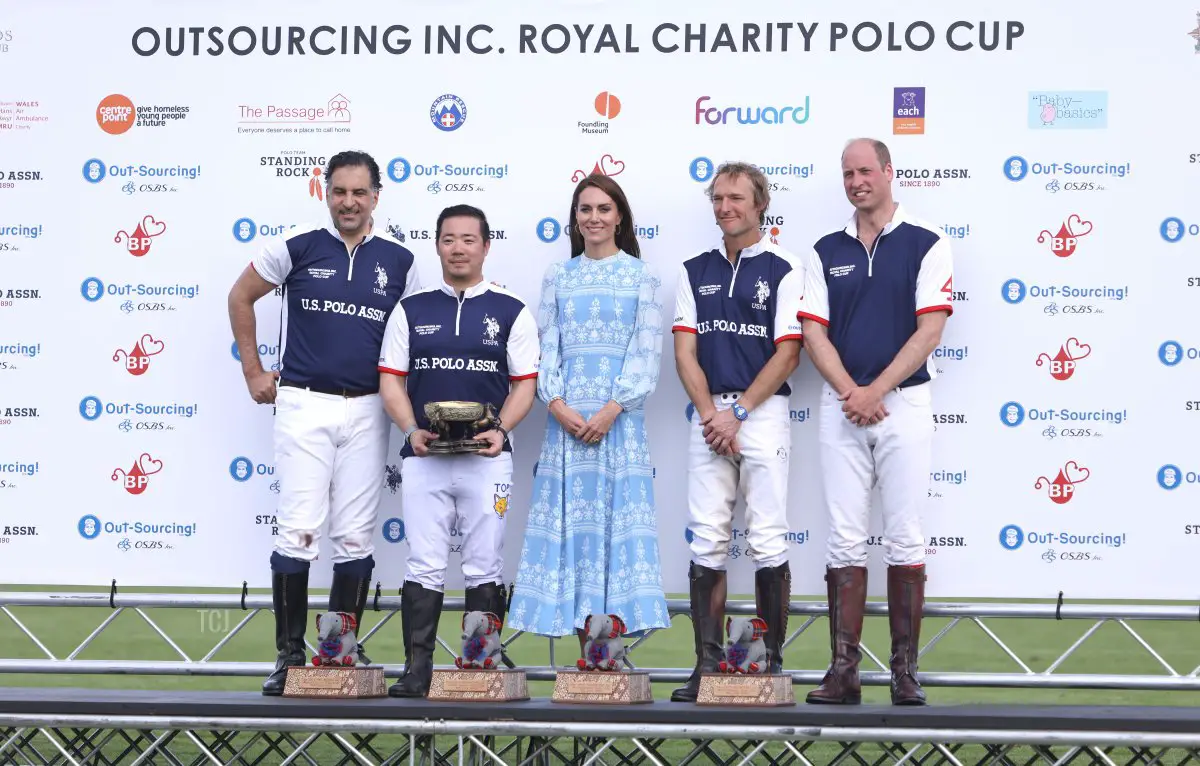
point(464, 340)
point(737, 339)
point(876, 299)
point(341, 281)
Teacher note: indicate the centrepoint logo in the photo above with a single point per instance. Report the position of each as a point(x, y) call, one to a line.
point(115, 114)
point(751, 115)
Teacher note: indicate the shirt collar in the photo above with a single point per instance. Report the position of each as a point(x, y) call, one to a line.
point(763, 243)
point(899, 216)
point(332, 229)
point(471, 292)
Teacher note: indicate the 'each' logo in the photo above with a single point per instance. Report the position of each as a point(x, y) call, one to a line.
point(137, 479)
point(1062, 366)
point(1063, 243)
point(138, 243)
point(605, 166)
point(115, 114)
point(137, 361)
point(1062, 489)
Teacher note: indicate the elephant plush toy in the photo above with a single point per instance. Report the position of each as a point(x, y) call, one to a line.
point(481, 648)
point(604, 650)
point(745, 651)
point(337, 643)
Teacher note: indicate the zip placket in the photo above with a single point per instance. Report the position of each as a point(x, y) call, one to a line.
point(350, 271)
point(736, 266)
point(870, 253)
point(462, 297)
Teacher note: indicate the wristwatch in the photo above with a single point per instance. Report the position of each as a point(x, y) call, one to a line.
point(408, 432)
point(740, 412)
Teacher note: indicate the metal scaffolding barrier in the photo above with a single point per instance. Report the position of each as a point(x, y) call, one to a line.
point(1024, 675)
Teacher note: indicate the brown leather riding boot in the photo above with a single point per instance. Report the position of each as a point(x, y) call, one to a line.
point(847, 601)
point(906, 602)
point(709, 589)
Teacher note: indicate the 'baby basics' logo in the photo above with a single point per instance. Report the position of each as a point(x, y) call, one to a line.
point(1062, 488)
point(1062, 365)
point(138, 243)
point(137, 478)
point(137, 361)
point(1063, 243)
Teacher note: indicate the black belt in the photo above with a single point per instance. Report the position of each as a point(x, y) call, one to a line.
point(346, 392)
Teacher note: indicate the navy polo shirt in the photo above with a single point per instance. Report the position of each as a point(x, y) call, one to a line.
point(338, 302)
point(739, 311)
point(870, 301)
point(452, 345)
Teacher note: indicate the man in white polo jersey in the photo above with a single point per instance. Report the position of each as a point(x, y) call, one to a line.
point(341, 281)
point(737, 339)
point(876, 298)
point(464, 340)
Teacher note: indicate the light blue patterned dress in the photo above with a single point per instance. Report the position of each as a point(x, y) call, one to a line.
point(591, 542)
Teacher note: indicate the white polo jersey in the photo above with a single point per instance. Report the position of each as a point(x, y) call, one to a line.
point(739, 311)
point(870, 301)
point(454, 345)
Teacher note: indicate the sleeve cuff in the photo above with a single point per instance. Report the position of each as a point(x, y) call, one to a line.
point(530, 376)
point(930, 309)
point(790, 336)
point(683, 328)
point(813, 317)
point(390, 371)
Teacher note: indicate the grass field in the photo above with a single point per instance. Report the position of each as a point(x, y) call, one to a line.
point(966, 648)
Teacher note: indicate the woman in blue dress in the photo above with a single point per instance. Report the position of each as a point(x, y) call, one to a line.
point(591, 542)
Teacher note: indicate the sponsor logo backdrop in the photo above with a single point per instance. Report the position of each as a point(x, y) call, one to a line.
point(137, 180)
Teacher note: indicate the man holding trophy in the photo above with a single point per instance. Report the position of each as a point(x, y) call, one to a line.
point(458, 371)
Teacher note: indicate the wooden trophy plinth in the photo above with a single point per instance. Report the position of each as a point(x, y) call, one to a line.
point(602, 687)
point(331, 682)
point(746, 690)
point(478, 686)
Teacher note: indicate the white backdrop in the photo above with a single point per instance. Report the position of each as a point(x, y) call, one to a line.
point(1081, 336)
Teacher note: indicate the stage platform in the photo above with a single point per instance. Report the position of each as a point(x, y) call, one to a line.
point(98, 726)
point(251, 705)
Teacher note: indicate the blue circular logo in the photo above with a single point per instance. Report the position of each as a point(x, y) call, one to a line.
point(89, 527)
point(91, 408)
point(1172, 229)
point(548, 230)
point(241, 469)
point(701, 169)
point(1015, 168)
point(399, 170)
point(1169, 476)
point(92, 289)
point(689, 411)
point(393, 530)
point(94, 171)
point(1011, 537)
point(234, 350)
point(1013, 291)
point(244, 230)
point(448, 112)
point(1170, 353)
point(1012, 414)
point(688, 535)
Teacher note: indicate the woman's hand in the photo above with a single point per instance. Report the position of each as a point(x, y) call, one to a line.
point(597, 426)
point(571, 421)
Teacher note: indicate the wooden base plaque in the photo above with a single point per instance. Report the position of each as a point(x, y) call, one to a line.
point(478, 686)
point(602, 687)
point(747, 690)
point(334, 682)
